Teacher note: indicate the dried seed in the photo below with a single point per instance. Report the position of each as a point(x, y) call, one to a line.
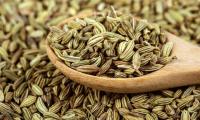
point(88, 68)
point(185, 115)
point(51, 115)
point(78, 100)
point(105, 67)
point(16, 107)
point(4, 54)
point(167, 48)
point(129, 117)
point(28, 101)
point(41, 106)
point(1, 96)
point(169, 110)
point(55, 107)
point(149, 117)
point(5, 108)
point(26, 113)
point(162, 115)
point(163, 101)
point(136, 60)
point(37, 116)
point(37, 90)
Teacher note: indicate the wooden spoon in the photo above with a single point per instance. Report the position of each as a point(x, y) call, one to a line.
point(181, 72)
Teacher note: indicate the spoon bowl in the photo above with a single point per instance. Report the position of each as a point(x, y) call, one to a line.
point(181, 72)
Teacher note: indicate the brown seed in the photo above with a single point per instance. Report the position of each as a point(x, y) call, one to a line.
point(105, 67)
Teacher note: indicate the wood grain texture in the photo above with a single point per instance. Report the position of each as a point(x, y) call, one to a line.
point(181, 72)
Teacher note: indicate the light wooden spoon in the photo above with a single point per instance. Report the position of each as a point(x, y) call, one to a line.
point(181, 72)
